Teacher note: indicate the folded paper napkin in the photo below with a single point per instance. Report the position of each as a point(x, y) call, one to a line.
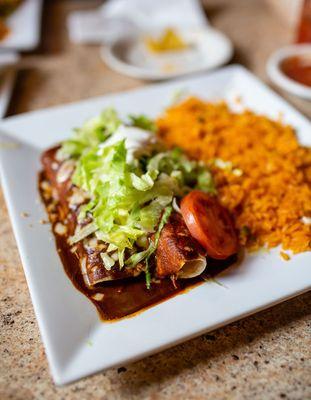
point(118, 18)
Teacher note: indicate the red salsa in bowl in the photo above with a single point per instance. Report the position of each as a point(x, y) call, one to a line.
point(298, 68)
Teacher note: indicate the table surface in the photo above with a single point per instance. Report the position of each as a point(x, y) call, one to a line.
point(266, 356)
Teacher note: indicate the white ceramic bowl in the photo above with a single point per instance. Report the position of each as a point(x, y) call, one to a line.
point(278, 77)
point(208, 49)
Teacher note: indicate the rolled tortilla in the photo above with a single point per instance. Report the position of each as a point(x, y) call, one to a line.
point(192, 268)
point(58, 178)
point(178, 253)
point(94, 271)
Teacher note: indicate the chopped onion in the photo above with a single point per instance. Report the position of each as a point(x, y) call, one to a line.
point(84, 271)
point(98, 296)
point(111, 248)
point(65, 171)
point(107, 260)
point(175, 206)
point(114, 256)
point(45, 185)
point(77, 197)
point(60, 228)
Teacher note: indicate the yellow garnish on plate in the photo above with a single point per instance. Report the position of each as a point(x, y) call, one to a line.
point(169, 40)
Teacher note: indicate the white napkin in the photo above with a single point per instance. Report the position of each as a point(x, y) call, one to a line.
point(117, 18)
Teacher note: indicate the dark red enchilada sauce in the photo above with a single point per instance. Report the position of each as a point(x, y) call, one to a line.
point(125, 297)
point(121, 298)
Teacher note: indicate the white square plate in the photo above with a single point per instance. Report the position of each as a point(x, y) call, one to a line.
point(24, 25)
point(77, 343)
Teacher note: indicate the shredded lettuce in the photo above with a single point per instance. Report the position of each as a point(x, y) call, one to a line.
point(83, 233)
point(143, 182)
point(92, 132)
point(122, 210)
point(129, 200)
point(143, 122)
point(189, 174)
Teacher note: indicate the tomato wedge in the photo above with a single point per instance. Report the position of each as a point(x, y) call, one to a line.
point(210, 224)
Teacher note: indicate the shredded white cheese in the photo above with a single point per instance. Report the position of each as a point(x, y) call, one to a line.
point(136, 140)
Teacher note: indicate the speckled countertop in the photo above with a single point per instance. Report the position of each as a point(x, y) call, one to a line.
point(266, 356)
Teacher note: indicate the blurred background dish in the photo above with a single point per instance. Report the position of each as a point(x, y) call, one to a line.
point(116, 19)
point(20, 24)
point(7, 7)
point(20, 30)
point(290, 69)
point(152, 40)
point(198, 50)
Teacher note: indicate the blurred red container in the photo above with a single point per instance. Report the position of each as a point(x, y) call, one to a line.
point(304, 27)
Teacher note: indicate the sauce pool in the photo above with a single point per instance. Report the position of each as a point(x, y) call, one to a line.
point(122, 298)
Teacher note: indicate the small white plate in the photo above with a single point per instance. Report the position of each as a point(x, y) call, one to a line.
point(77, 343)
point(24, 25)
point(277, 75)
point(208, 49)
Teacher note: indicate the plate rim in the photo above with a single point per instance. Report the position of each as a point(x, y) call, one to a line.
point(61, 376)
